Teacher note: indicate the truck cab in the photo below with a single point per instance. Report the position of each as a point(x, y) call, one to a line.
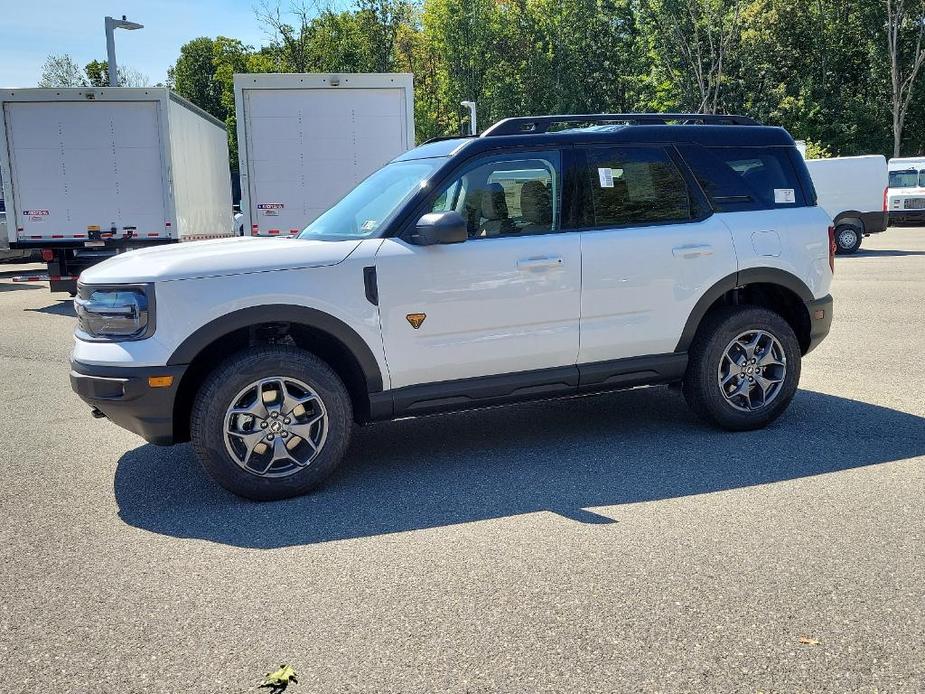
point(906, 198)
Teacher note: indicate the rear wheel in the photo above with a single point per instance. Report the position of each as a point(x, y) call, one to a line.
point(847, 239)
point(743, 368)
point(271, 422)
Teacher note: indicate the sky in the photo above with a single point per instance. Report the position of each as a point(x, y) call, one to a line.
point(30, 30)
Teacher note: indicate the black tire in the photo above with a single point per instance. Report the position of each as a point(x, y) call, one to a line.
point(236, 373)
point(847, 239)
point(701, 386)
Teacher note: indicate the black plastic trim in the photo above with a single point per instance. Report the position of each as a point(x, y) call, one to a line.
point(819, 327)
point(523, 386)
point(758, 275)
point(653, 369)
point(123, 395)
point(282, 313)
point(371, 285)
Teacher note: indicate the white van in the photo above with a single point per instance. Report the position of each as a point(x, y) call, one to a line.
point(907, 190)
point(853, 190)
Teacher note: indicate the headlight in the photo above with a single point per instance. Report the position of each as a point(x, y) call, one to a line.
point(115, 313)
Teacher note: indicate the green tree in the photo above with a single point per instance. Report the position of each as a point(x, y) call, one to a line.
point(193, 76)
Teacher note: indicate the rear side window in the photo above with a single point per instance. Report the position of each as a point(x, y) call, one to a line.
point(745, 178)
point(632, 186)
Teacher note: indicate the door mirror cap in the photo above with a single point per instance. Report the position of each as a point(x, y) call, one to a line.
point(439, 228)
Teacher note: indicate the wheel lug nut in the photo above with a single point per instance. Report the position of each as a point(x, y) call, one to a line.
point(263, 425)
point(270, 437)
point(287, 420)
point(274, 415)
point(285, 434)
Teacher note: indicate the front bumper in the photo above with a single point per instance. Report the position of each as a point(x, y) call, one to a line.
point(820, 320)
point(122, 394)
point(907, 216)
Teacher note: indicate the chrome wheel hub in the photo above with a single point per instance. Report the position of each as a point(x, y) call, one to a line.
point(752, 370)
point(848, 237)
point(275, 427)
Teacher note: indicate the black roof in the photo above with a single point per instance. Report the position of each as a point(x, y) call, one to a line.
point(646, 131)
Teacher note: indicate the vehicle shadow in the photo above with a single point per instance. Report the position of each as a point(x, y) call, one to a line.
point(563, 456)
point(64, 307)
point(865, 253)
point(16, 286)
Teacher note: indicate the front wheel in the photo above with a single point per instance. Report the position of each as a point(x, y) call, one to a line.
point(743, 368)
point(847, 239)
point(271, 422)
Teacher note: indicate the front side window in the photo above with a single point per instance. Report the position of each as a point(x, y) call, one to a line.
point(505, 195)
point(364, 211)
point(633, 186)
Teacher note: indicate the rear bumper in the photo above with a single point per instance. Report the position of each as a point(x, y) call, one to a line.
point(820, 320)
point(875, 222)
point(124, 396)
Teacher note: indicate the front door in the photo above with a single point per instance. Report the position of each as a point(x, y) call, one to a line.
point(504, 301)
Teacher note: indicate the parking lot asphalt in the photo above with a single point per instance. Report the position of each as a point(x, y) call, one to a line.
point(609, 543)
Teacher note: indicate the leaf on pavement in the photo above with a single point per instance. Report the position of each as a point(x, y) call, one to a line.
point(279, 680)
point(809, 641)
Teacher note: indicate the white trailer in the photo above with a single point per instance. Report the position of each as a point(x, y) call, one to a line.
point(853, 192)
point(88, 173)
point(306, 140)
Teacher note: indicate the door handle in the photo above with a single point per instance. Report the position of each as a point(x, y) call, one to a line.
point(692, 250)
point(528, 264)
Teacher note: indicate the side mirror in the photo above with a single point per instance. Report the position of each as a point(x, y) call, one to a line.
point(439, 228)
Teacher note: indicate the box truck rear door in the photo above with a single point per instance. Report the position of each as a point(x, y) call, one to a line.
point(307, 148)
point(83, 164)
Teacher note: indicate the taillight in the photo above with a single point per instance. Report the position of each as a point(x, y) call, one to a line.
point(48, 255)
point(884, 198)
point(832, 248)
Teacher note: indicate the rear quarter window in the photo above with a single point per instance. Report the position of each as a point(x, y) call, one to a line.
point(746, 178)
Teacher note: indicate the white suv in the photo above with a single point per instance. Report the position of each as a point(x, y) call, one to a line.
point(534, 261)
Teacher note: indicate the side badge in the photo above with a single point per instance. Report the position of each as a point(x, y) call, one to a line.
point(416, 319)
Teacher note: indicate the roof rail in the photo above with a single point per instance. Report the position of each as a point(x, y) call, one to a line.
point(536, 125)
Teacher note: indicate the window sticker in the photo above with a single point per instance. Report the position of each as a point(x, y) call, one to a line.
point(369, 225)
point(606, 177)
point(784, 196)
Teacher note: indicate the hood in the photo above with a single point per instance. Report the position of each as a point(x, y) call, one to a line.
point(221, 257)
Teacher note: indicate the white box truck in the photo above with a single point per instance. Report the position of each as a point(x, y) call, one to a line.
point(306, 140)
point(906, 199)
point(853, 191)
point(88, 173)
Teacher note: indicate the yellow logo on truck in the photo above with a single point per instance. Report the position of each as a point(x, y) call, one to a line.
point(416, 319)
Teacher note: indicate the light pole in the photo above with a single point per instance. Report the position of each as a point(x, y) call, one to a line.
point(111, 26)
point(473, 128)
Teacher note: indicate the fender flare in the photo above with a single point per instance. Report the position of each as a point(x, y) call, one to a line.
point(224, 325)
point(755, 275)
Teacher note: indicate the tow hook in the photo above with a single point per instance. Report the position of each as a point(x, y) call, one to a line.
point(98, 413)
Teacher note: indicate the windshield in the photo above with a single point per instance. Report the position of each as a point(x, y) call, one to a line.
point(908, 178)
point(366, 208)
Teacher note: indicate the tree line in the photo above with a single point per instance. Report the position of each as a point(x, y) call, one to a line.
point(844, 75)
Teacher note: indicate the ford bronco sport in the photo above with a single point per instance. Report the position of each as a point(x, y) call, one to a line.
point(550, 256)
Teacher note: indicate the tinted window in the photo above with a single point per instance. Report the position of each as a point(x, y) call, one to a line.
point(505, 196)
point(905, 179)
point(742, 178)
point(633, 186)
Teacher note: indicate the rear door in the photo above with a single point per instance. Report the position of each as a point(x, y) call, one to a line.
point(649, 250)
point(307, 148)
point(85, 164)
